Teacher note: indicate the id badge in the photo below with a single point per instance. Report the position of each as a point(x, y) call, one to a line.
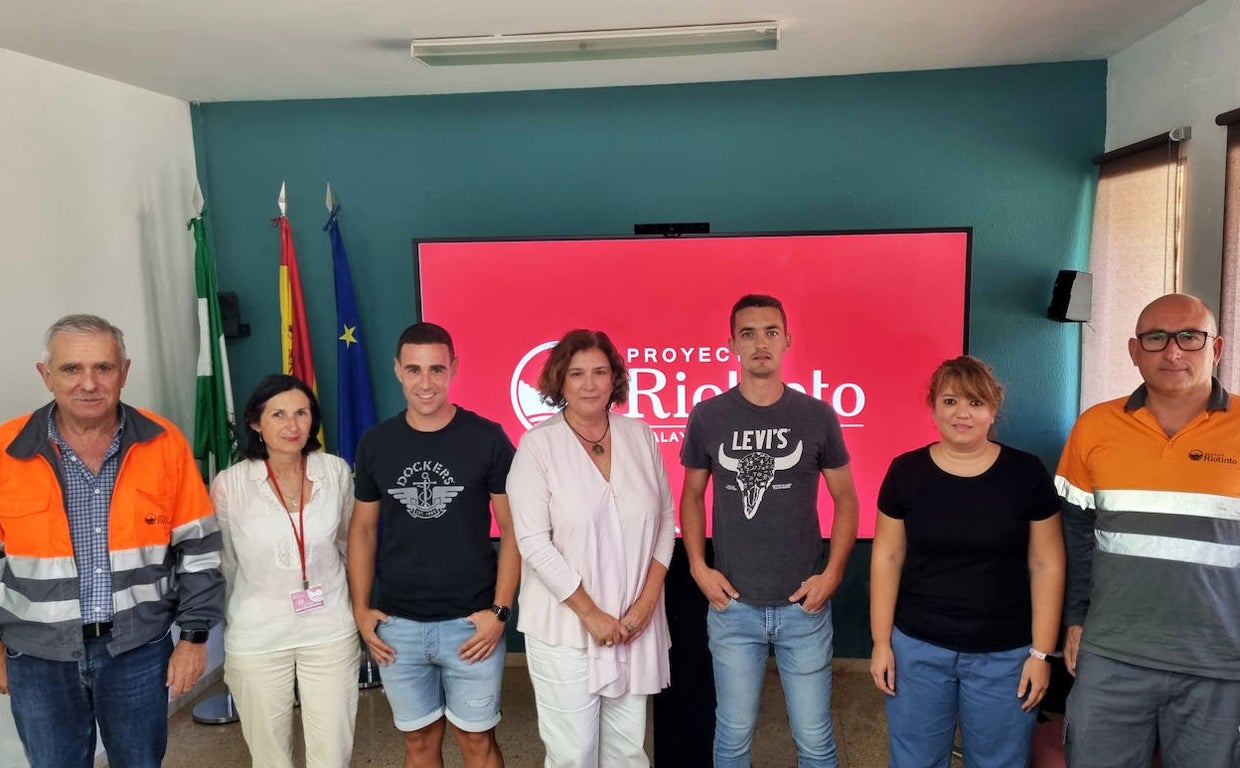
point(305, 600)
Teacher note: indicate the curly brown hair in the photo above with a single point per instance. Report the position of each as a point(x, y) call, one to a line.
point(551, 379)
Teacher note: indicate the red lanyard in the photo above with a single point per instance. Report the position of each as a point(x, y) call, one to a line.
point(299, 530)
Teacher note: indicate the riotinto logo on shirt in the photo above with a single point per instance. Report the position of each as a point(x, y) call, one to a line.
point(1216, 458)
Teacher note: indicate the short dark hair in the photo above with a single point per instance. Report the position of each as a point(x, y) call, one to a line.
point(425, 333)
point(751, 300)
point(551, 379)
point(269, 387)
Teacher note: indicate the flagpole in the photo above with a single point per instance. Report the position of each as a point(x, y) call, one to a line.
point(215, 430)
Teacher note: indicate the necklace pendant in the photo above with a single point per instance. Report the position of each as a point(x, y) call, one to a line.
point(597, 449)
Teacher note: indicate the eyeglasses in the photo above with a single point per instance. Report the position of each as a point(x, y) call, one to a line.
point(1188, 340)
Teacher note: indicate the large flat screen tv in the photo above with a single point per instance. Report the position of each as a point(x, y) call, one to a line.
point(870, 315)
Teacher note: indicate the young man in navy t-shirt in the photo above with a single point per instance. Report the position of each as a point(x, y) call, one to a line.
point(430, 477)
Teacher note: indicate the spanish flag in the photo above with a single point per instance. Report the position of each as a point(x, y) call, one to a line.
point(294, 331)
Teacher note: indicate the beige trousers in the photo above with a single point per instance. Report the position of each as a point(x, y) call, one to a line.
point(262, 687)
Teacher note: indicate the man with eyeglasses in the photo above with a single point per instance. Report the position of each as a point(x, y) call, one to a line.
point(1150, 488)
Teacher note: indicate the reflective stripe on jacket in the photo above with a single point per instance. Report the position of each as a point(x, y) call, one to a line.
point(163, 541)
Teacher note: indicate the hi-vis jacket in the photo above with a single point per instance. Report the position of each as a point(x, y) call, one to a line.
point(1152, 530)
point(163, 541)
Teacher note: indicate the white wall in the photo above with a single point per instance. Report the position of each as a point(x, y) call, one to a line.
point(1185, 74)
point(96, 183)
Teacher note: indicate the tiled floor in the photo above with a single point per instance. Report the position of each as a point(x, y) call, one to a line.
point(859, 724)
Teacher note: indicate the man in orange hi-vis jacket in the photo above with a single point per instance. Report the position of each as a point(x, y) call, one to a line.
point(1150, 492)
point(107, 538)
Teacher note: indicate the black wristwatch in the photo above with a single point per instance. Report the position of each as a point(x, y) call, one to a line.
point(196, 636)
point(502, 612)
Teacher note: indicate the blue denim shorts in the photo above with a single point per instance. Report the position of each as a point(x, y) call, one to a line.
point(428, 680)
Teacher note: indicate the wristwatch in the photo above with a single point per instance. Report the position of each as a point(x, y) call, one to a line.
point(1035, 653)
point(502, 612)
point(196, 636)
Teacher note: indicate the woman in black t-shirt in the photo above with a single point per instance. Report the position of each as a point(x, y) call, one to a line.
point(967, 578)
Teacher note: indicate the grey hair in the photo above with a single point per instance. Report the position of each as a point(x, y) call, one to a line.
point(82, 325)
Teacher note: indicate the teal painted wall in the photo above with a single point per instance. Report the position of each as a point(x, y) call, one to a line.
point(1004, 150)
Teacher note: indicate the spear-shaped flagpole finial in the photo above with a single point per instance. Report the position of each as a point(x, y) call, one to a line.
point(282, 201)
point(331, 200)
point(198, 201)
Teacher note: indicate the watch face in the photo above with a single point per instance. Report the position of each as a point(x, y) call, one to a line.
point(502, 612)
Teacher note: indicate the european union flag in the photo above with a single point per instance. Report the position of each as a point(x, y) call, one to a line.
point(355, 403)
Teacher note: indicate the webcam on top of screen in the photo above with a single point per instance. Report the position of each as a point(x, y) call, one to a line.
point(673, 229)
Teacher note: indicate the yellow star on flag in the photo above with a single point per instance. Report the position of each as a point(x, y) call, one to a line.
point(347, 337)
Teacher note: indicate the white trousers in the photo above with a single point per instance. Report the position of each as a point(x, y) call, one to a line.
point(262, 687)
point(580, 730)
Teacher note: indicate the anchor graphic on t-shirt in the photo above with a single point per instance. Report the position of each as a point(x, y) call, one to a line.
point(425, 500)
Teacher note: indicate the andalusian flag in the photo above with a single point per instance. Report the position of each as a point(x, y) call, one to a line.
point(294, 331)
point(355, 409)
point(215, 429)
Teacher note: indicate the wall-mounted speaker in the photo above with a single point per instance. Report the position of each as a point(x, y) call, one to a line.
point(230, 316)
point(1072, 297)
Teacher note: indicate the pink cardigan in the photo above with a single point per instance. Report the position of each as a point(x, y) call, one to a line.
point(572, 528)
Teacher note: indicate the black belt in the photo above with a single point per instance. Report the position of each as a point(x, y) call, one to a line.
point(96, 630)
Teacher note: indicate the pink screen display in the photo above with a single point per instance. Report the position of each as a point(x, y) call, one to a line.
point(869, 316)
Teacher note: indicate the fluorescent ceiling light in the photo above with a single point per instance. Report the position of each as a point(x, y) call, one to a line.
point(597, 44)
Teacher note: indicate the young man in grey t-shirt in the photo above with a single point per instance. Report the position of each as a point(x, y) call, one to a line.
point(764, 444)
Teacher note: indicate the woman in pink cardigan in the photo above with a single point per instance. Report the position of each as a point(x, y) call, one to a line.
point(593, 517)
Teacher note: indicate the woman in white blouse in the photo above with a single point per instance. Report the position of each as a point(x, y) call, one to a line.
point(284, 515)
point(593, 517)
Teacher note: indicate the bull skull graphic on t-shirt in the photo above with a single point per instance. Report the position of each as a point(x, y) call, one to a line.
point(755, 472)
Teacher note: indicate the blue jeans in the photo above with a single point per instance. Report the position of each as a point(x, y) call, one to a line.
point(57, 703)
point(935, 684)
point(741, 638)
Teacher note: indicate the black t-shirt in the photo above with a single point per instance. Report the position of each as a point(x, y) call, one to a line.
point(434, 491)
point(965, 582)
